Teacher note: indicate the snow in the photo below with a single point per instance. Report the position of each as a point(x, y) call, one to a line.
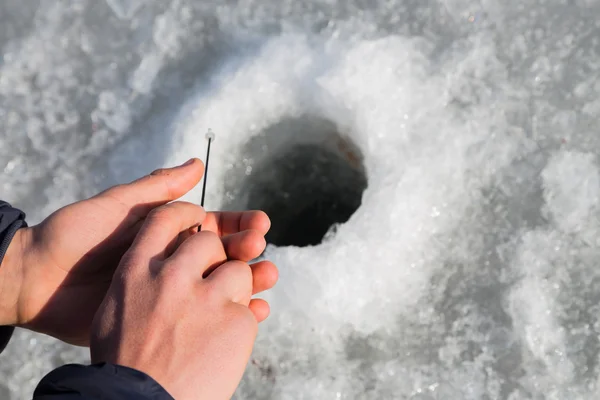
point(470, 269)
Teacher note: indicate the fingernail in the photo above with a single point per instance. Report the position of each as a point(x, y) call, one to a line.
point(188, 162)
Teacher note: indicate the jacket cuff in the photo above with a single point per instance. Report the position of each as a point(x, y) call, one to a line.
point(11, 220)
point(99, 381)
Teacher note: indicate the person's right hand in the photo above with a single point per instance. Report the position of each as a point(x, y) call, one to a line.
point(172, 315)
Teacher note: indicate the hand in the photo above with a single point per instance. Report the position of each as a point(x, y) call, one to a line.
point(193, 335)
point(66, 264)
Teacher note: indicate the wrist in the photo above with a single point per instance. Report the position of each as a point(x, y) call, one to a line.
point(11, 276)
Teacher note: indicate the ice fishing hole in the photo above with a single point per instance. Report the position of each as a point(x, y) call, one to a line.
point(306, 175)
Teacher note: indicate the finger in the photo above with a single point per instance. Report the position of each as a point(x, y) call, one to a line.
point(160, 187)
point(255, 220)
point(234, 280)
point(223, 224)
point(244, 246)
point(264, 276)
point(260, 309)
point(163, 225)
point(228, 223)
point(202, 253)
point(178, 241)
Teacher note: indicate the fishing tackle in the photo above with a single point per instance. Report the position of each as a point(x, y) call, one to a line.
point(210, 136)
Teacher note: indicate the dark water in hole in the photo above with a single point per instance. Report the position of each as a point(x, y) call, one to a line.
point(305, 191)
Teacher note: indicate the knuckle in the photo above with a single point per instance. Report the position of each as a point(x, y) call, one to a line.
point(160, 214)
point(253, 234)
point(168, 212)
point(212, 294)
point(211, 238)
point(179, 213)
point(257, 239)
point(238, 271)
point(209, 235)
point(243, 270)
point(130, 260)
point(130, 257)
point(189, 207)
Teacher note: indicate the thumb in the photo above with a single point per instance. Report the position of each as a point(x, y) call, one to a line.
point(160, 187)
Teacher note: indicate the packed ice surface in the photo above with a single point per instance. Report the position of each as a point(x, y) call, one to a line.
point(470, 269)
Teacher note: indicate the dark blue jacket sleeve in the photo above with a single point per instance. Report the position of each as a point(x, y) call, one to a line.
point(11, 220)
point(98, 382)
point(78, 382)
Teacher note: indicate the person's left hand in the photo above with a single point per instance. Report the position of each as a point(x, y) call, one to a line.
point(68, 261)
